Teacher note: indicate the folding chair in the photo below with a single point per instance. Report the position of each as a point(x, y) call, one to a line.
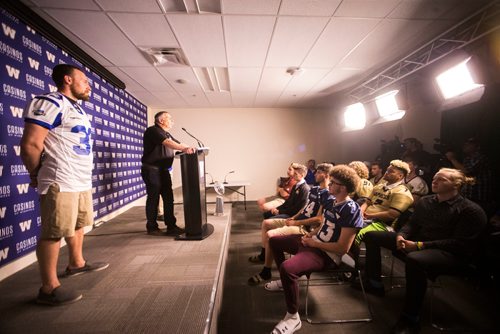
point(347, 266)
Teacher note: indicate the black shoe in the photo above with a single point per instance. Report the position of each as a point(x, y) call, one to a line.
point(156, 232)
point(58, 296)
point(175, 230)
point(379, 292)
point(405, 326)
point(87, 268)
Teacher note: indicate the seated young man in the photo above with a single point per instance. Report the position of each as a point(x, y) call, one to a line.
point(283, 187)
point(365, 188)
point(440, 238)
point(301, 223)
point(320, 248)
point(387, 201)
point(377, 173)
point(298, 195)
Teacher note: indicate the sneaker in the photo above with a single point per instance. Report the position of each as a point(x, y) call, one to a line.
point(58, 296)
point(274, 286)
point(88, 267)
point(175, 230)
point(156, 232)
point(287, 326)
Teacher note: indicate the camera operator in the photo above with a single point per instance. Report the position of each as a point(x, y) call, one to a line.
point(475, 164)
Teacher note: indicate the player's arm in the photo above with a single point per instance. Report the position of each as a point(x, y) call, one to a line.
point(340, 247)
point(32, 144)
point(313, 220)
point(385, 216)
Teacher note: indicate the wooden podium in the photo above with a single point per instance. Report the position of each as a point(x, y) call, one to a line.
point(194, 197)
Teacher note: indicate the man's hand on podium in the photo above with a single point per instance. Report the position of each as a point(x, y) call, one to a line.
point(188, 150)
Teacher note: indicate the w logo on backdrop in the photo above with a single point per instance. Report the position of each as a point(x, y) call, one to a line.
point(3, 209)
point(17, 150)
point(33, 63)
point(23, 188)
point(16, 112)
point(25, 225)
point(12, 71)
point(50, 57)
point(4, 253)
point(8, 31)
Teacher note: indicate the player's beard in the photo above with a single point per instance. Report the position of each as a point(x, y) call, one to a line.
point(85, 95)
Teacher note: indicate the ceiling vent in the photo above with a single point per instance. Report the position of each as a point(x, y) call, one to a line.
point(165, 56)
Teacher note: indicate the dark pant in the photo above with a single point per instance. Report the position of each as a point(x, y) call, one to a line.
point(305, 261)
point(420, 266)
point(158, 183)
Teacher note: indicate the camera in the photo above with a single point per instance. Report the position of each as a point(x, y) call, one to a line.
point(441, 147)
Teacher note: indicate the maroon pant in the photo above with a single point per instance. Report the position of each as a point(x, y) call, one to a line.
point(305, 261)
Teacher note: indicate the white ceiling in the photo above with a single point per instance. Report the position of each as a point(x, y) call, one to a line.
point(336, 43)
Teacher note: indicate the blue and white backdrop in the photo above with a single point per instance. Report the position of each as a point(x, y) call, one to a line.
point(118, 122)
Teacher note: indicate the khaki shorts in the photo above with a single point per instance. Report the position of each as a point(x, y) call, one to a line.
point(280, 228)
point(64, 212)
point(274, 203)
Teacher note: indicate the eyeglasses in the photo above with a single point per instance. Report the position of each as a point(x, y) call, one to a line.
point(333, 182)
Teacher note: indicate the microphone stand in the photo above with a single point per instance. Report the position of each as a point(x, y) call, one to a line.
point(200, 143)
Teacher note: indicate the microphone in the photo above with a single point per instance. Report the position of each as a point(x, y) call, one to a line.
point(225, 177)
point(211, 178)
point(200, 144)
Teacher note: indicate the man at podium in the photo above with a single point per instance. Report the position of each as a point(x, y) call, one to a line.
point(159, 146)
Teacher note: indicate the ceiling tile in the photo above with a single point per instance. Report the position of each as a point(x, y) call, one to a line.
point(247, 39)
point(148, 77)
point(254, 7)
point(90, 27)
point(309, 7)
point(201, 38)
point(148, 99)
point(170, 99)
point(243, 99)
point(80, 4)
point(130, 83)
point(391, 39)
point(219, 99)
point(335, 77)
point(244, 79)
point(143, 6)
point(274, 79)
point(306, 80)
point(148, 30)
point(332, 46)
point(293, 37)
point(195, 100)
point(266, 99)
point(190, 83)
point(366, 8)
point(431, 9)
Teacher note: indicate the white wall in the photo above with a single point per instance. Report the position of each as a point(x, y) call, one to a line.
point(259, 144)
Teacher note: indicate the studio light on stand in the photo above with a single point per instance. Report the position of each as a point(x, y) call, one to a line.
point(219, 200)
point(225, 177)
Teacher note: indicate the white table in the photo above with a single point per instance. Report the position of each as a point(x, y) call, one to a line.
point(234, 186)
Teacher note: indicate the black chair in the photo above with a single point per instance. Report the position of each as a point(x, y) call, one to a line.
point(335, 277)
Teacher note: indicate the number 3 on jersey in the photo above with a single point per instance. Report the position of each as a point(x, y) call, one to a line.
point(84, 147)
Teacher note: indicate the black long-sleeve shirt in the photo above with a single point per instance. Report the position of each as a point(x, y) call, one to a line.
point(453, 225)
point(296, 201)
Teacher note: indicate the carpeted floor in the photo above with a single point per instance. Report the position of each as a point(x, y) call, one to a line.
point(252, 309)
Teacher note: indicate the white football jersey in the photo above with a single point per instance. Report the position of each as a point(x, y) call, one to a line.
point(67, 158)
